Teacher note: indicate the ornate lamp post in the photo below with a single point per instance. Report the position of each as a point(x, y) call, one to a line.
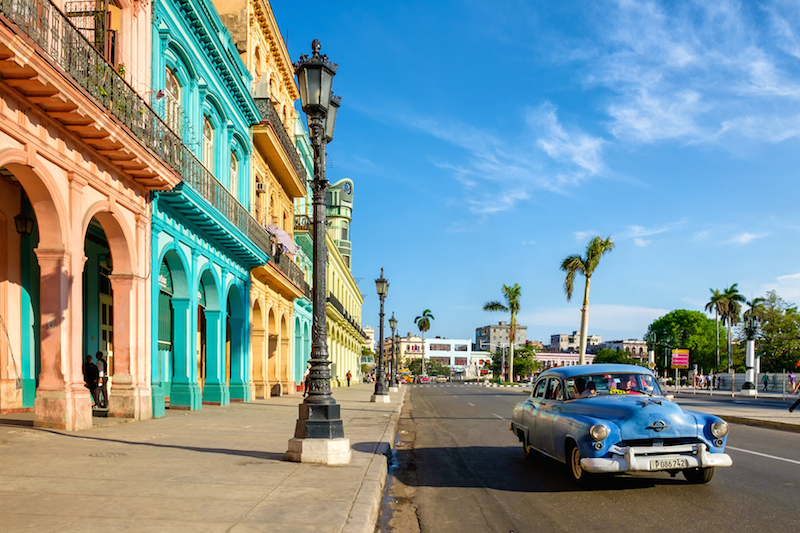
point(650, 339)
point(319, 433)
point(393, 385)
point(750, 330)
point(380, 395)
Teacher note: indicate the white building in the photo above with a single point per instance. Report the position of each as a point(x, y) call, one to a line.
point(369, 331)
point(495, 336)
point(572, 343)
point(551, 359)
point(636, 348)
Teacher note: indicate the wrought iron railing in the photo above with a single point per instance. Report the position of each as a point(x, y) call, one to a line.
point(269, 113)
point(303, 222)
point(292, 271)
point(334, 301)
point(49, 28)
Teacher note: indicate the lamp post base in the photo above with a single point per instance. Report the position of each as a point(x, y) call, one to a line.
point(394, 389)
point(380, 398)
point(319, 451)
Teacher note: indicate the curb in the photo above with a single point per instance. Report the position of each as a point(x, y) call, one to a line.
point(769, 424)
point(364, 512)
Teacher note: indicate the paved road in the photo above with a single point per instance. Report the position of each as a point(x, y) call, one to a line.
point(459, 469)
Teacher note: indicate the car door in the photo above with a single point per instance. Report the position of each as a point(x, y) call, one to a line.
point(549, 410)
point(530, 409)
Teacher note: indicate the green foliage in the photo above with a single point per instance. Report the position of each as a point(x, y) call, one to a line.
point(432, 368)
point(525, 363)
point(366, 352)
point(423, 321)
point(606, 355)
point(778, 338)
point(512, 295)
point(691, 330)
point(574, 264)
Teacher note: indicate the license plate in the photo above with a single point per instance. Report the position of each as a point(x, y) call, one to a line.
point(667, 464)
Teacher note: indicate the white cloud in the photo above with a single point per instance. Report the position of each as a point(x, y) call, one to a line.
point(787, 287)
point(601, 317)
point(583, 235)
point(638, 241)
point(746, 237)
point(577, 148)
point(701, 235)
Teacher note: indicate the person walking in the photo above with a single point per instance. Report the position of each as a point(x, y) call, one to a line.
point(306, 380)
point(102, 380)
point(766, 382)
point(795, 404)
point(90, 376)
point(349, 376)
point(791, 380)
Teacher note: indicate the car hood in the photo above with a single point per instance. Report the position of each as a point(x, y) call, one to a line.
point(638, 416)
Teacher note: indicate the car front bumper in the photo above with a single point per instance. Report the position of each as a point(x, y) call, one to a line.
point(642, 459)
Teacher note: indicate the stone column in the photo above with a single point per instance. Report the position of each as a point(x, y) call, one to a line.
point(239, 387)
point(215, 390)
point(184, 393)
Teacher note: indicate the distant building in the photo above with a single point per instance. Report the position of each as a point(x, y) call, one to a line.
point(564, 343)
point(551, 359)
point(495, 337)
point(636, 348)
point(454, 353)
point(369, 331)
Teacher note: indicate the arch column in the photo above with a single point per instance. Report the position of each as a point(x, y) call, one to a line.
point(184, 393)
point(239, 386)
point(215, 390)
point(128, 397)
point(62, 400)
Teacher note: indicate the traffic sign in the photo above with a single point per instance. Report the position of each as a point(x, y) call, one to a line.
point(651, 366)
point(680, 358)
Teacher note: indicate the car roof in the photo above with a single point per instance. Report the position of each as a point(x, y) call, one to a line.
point(580, 370)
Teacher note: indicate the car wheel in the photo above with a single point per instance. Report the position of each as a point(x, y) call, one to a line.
point(580, 476)
point(699, 475)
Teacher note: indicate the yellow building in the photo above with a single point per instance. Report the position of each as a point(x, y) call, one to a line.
point(278, 178)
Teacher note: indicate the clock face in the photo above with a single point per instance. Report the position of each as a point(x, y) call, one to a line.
point(347, 188)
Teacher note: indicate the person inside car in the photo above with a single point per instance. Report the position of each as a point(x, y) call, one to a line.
point(590, 390)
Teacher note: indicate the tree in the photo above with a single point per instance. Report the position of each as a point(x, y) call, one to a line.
point(779, 333)
point(574, 264)
point(717, 304)
point(435, 368)
point(512, 297)
point(607, 355)
point(732, 310)
point(423, 322)
point(525, 361)
point(691, 330)
point(755, 309)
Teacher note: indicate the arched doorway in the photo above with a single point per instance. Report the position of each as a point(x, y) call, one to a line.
point(210, 346)
point(272, 355)
point(286, 356)
point(238, 364)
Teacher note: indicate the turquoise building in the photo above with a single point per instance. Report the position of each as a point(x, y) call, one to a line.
point(303, 217)
point(204, 241)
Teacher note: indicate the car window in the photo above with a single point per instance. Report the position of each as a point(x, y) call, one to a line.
point(539, 388)
point(571, 389)
point(554, 391)
point(617, 383)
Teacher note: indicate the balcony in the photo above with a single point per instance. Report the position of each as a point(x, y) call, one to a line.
point(57, 40)
point(303, 223)
point(334, 301)
point(272, 141)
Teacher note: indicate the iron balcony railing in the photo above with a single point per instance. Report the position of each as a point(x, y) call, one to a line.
point(49, 28)
point(292, 271)
point(334, 301)
point(303, 222)
point(268, 113)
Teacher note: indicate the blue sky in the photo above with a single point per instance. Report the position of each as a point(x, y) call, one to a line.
point(490, 140)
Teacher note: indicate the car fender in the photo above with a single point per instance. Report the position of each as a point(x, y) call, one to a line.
point(704, 423)
point(576, 428)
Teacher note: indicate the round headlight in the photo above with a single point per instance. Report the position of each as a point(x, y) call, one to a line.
point(599, 432)
point(719, 429)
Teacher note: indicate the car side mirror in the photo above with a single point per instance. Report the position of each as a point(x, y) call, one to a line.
point(669, 397)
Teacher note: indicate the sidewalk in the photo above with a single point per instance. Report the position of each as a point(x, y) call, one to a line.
point(217, 469)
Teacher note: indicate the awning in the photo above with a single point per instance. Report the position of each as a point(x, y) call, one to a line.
point(284, 238)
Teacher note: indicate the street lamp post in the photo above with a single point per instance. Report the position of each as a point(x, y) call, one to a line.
point(393, 385)
point(750, 329)
point(650, 339)
point(380, 395)
point(319, 433)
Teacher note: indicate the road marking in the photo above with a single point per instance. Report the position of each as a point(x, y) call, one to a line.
point(472, 404)
point(498, 416)
point(765, 455)
point(454, 396)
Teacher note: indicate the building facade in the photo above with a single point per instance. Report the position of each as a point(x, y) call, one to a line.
point(564, 343)
point(636, 348)
point(495, 336)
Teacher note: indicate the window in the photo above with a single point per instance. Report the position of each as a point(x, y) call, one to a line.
point(554, 390)
point(538, 391)
point(172, 102)
point(234, 175)
point(208, 144)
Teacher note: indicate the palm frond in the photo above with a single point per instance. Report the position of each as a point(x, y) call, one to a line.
point(494, 306)
point(571, 265)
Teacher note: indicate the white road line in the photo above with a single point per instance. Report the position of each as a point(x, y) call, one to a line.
point(765, 455)
point(454, 396)
point(472, 404)
point(498, 416)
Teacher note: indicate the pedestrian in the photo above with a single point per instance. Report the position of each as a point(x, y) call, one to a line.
point(102, 382)
point(791, 380)
point(349, 376)
point(90, 378)
point(795, 404)
point(766, 382)
point(306, 380)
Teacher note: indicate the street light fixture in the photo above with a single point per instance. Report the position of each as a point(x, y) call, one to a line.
point(393, 387)
point(319, 433)
point(750, 331)
point(380, 395)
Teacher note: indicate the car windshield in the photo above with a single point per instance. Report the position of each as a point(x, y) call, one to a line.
point(615, 383)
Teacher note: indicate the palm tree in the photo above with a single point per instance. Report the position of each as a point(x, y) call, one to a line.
point(756, 309)
point(717, 303)
point(423, 322)
point(512, 297)
point(732, 311)
point(573, 264)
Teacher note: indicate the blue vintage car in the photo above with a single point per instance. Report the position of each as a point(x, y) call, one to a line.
point(614, 418)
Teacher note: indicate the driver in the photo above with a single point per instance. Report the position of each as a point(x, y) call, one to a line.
point(590, 390)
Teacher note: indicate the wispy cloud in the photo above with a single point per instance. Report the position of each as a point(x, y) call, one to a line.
point(698, 71)
point(583, 235)
point(787, 287)
point(638, 241)
point(637, 233)
point(603, 316)
point(746, 237)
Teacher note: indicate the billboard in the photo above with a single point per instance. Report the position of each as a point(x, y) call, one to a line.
point(680, 358)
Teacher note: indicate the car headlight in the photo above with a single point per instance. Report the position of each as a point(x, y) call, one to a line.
point(598, 432)
point(719, 429)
